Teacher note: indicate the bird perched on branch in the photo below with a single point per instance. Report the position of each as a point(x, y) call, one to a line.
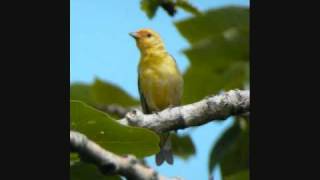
point(160, 82)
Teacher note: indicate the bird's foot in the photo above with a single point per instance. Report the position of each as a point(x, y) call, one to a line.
point(170, 107)
point(156, 113)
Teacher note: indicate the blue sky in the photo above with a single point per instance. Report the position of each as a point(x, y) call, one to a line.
point(101, 47)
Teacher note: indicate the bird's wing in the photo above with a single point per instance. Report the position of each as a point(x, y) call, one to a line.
point(179, 87)
point(144, 105)
point(172, 58)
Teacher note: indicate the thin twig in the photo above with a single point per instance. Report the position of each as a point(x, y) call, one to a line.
point(109, 163)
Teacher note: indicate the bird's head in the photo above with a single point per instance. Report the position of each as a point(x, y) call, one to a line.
point(147, 39)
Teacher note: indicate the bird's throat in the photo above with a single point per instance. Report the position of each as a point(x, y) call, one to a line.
point(156, 49)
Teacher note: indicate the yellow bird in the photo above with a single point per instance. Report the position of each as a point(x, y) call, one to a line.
point(160, 82)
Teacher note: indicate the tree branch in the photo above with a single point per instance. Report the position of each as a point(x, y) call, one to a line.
point(219, 107)
point(109, 163)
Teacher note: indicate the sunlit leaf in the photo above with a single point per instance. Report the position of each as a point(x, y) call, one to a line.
point(81, 92)
point(221, 64)
point(105, 131)
point(101, 93)
point(219, 53)
point(105, 93)
point(214, 22)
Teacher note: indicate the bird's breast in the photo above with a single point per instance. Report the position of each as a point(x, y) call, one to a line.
point(159, 84)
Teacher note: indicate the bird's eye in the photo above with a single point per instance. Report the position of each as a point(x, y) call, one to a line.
point(149, 35)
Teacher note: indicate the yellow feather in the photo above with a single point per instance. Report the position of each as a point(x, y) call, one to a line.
point(160, 82)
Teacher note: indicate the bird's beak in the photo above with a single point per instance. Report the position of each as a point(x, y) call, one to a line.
point(134, 35)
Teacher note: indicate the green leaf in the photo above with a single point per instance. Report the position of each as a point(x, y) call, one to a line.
point(109, 134)
point(224, 144)
point(81, 92)
point(169, 6)
point(237, 158)
point(241, 175)
point(74, 158)
point(214, 22)
point(232, 149)
point(219, 53)
point(149, 7)
point(185, 5)
point(221, 62)
point(182, 146)
point(105, 93)
point(84, 171)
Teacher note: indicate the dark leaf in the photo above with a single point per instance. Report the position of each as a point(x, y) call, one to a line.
point(149, 7)
point(168, 6)
point(237, 159)
point(185, 5)
point(74, 158)
point(182, 146)
point(224, 145)
point(84, 171)
point(241, 175)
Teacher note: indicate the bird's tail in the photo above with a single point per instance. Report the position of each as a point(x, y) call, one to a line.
point(165, 153)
